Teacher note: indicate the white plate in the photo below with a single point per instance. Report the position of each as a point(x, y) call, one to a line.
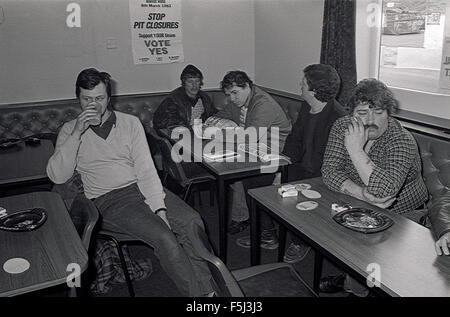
point(16, 265)
point(307, 205)
point(311, 194)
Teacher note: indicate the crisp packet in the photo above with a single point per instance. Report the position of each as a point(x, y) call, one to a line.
point(339, 207)
point(287, 190)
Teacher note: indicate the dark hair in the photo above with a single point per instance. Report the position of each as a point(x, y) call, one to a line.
point(89, 78)
point(236, 77)
point(324, 80)
point(190, 71)
point(375, 93)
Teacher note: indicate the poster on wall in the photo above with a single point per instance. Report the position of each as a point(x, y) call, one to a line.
point(156, 33)
point(444, 81)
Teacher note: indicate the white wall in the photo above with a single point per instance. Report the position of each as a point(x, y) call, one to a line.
point(288, 35)
point(40, 56)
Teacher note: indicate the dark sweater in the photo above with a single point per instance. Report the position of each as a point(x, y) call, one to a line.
point(306, 144)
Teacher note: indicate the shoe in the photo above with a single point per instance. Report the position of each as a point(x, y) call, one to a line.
point(238, 226)
point(268, 242)
point(332, 284)
point(368, 294)
point(296, 253)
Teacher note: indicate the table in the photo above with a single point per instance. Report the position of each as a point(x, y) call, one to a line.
point(49, 248)
point(25, 163)
point(226, 172)
point(404, 252)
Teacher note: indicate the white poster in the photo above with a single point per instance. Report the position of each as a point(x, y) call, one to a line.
point(156, 32)
point(444, 81)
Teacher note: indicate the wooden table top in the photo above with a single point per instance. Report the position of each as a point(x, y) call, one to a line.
point(404, 252)
point(48, 249)
point(24, 162)
point(233, 166)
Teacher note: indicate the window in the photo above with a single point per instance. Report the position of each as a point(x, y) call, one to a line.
point(415, 45)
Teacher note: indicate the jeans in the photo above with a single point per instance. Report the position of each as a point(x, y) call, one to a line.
point(238, 204)
point(260, 181)
point(124, 211)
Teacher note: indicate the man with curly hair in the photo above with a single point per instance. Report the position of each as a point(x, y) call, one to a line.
point(305, 145)
point(370, 156)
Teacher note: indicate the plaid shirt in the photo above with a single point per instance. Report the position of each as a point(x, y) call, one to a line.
point(109, 269)
point(397, 171)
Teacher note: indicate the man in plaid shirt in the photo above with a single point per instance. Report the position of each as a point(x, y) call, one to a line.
point(370, 156)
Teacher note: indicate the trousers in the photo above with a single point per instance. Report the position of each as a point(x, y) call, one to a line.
point(124, 211)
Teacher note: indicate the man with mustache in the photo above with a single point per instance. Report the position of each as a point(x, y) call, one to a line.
point(370, 156)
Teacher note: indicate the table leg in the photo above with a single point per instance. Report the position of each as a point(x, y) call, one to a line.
point(284, 174)
point(223, 213)
point(318, 263)
point(281, 242)
point(255, 250)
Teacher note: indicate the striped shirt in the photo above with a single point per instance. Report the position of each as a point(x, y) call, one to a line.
point(197, 110)
point(243, 115)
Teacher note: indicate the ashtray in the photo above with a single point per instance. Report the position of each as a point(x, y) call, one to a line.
point(23, 220)
point(363, 220)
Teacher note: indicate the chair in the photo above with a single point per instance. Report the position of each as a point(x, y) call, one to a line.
point(120, 240)
point(275, 279)
point(84, 216)
point(186, 174)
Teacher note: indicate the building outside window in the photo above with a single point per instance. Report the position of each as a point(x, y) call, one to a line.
point(415, 45)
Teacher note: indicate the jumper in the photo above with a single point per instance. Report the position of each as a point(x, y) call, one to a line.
point(306, 143)
point(105, 165)
point(263, 112)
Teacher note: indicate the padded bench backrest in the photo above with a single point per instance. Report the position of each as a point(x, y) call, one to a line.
point(21, 120)
point(435, 155)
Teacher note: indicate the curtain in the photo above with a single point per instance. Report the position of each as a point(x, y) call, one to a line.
point(338, 43)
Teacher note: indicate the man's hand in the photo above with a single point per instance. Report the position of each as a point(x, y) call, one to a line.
point(442, 245)
point(384, 202)
point(355, 136)
point(162, 214)
point(83, 119)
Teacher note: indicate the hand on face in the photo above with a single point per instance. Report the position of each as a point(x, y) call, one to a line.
point(356, 135)
point(443, 244)
point(383, 202)
point(86, 118)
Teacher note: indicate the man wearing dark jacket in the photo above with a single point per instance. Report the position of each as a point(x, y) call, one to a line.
point(306, 144)
point(439, 216)
point(184, 104)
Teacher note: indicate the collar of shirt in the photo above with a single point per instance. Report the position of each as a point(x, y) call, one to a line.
point(104, 130)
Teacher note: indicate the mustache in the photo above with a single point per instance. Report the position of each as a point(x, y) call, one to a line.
point(368, 126)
